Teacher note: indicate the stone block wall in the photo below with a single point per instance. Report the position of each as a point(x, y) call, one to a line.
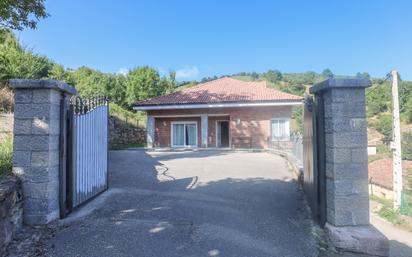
point(11, 212)
point(120, 134)
point(346, 156)
point(36, 151)
point(6, 125)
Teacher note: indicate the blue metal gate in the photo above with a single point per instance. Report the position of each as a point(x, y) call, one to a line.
point(87, 137)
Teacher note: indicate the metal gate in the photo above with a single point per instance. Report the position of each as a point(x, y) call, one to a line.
point(87, 148)
point(314, 179)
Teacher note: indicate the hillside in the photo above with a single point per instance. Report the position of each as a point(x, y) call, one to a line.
point(379, 105)
point(144, 82)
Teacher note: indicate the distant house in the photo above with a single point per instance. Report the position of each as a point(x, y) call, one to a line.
point(381, 177)
point(221, 113)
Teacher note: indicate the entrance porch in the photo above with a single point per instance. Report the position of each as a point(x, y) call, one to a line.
point(190, 131)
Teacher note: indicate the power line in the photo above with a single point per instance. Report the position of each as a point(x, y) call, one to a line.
point(379, 84)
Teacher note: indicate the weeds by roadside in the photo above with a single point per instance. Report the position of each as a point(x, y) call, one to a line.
point(385, 210)
point(6, 157)
point(391, 215)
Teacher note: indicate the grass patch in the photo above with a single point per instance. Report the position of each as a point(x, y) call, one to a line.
point(127, 118)
point(389, 214)
point(6, 157)
point(125, 146)
point(386, 211)
point(383, 201)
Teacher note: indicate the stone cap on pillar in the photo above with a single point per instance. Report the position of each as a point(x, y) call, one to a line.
point(42, 84)
point(340, 83)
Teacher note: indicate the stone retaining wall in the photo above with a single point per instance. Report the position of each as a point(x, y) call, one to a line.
point(6, 125)
point(11, 212)
point(119, 133)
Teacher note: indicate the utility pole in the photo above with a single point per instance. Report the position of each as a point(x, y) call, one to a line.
point(396, 144)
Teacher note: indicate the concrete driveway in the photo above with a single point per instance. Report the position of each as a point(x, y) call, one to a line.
point(195, 203)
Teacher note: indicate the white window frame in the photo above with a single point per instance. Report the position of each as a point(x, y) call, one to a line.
point(184, 123)
point(287, 138)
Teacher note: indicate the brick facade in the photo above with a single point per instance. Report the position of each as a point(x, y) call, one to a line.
point(163, 130)
point(249, 127)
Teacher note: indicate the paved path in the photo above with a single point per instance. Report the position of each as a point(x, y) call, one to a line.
point(206, 203)
point(400, 240)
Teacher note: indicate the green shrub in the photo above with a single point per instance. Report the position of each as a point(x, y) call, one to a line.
point(127, 118)
point(298, 117)
point(407, 146)
point(378, 99)
point(6, 157)
point(384, 126)
point(391, 215)
point(383, 149)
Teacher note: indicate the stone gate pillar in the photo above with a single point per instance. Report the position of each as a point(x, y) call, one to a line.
point(36, 145)
point(346, 167)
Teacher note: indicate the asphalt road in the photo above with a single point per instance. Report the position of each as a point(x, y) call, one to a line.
point(400, 240)
point(206, 203)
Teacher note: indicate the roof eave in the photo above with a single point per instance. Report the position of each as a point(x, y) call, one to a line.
point(217, 105)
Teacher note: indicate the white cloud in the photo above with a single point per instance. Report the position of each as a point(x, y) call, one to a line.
point(187, 72)
point(123, 71)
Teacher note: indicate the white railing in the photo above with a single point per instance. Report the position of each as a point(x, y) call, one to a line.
point(297, 146)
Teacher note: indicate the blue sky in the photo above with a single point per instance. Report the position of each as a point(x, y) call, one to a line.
point(216, 37)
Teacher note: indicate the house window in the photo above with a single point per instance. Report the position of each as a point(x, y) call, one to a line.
point(184, 134)
point(279, 129)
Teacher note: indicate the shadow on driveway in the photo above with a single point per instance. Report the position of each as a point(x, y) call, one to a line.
point(205, 203)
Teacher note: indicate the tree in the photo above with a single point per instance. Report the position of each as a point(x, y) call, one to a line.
point(58, 72)
point(378, 99)
point(20, 14)
point(89, 82)
point(254, 75)
point(117, 90)
point(363, 75)
point(407, 111)
point(20, 62)
point(17, 62)
point(142, 83)
point(96, 83)
point(407, 146)
point(297, 115)
point(171, 85)
point(273, 76)
point(327, 73)
point(207, 79)
point(405, 100)
point(384, 126)
point(309, 77)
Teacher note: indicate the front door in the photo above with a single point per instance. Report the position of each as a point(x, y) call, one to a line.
point(222, 133)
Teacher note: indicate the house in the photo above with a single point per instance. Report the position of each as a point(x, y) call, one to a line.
point(380, 173)
point(221, 113)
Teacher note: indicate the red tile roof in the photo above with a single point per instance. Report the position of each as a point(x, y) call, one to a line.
point(223, 90)
point(380, 173)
